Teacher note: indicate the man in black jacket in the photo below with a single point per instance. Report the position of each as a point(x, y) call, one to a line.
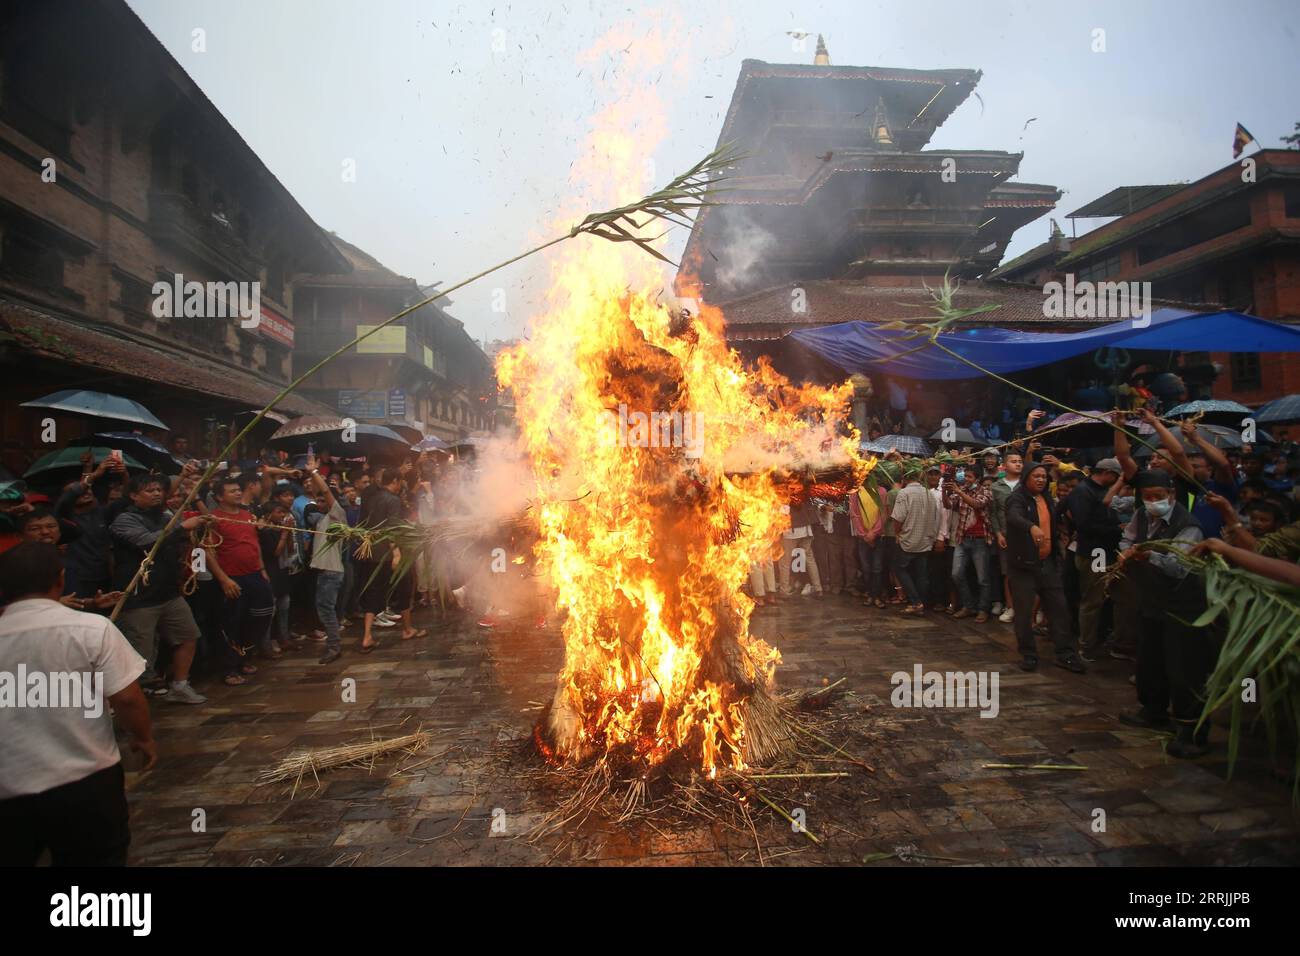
point(1097, 533)
point(1034, 570)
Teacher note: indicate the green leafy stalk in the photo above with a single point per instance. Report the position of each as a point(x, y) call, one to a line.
point(1260, 620)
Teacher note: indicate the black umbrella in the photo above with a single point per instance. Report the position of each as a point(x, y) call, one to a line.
point(330, 433)
point(145, 450)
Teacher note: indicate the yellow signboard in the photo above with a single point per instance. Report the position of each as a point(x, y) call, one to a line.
point(389, 341)
point(428, 357)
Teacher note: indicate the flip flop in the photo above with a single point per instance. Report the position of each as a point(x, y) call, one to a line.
point(248, 669)
point(368, 648)
point(420, 633)
point(233, 680)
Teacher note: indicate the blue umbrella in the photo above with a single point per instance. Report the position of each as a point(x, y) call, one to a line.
point(1215, 410)
point(1207, 405)
point(97, 405)
point(907, 444)
point(1285, 409)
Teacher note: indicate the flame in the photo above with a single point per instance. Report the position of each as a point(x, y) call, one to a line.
point(647, 533)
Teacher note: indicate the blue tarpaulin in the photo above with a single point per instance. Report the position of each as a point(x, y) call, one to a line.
point(866, 348)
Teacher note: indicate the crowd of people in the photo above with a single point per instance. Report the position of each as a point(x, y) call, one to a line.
point(1078, 554)
point(251, 569)
point(259, 563)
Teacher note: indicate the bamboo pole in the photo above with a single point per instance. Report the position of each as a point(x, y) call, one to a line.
point(688, 191)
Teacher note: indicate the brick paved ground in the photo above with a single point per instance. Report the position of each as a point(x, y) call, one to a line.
point(478, 694)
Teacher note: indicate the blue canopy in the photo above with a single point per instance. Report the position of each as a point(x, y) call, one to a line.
point(864, 347)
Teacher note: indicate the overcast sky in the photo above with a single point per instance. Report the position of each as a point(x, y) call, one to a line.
point(464, 118)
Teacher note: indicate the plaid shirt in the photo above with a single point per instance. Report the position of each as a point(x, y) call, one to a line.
point(967, 513)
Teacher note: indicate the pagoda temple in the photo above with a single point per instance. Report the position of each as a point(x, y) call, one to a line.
point(839, 197)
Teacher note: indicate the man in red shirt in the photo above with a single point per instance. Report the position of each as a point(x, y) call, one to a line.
point(236, 563)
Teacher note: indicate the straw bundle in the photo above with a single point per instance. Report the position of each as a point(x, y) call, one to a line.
point(297, 765)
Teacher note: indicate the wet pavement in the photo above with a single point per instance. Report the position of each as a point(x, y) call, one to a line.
point(472, 796)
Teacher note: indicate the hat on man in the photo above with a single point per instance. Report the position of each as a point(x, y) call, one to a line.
point(1108, 464)
point(1154, 478)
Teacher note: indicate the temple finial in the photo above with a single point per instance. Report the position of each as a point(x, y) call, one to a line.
point(822, 58)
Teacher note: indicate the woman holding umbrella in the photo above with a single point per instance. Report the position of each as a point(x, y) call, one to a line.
point(1034, 570)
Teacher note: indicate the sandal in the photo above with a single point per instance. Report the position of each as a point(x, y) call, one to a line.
point(414, 634)
point(914, 609)
point(880, 603)
point(368, 648)
point(233, 680)
point(248, 668)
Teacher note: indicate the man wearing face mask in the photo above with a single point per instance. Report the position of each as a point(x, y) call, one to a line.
point(1173, 658)
point(1098, 535)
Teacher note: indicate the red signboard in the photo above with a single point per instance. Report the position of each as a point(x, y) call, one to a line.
point(276, 327)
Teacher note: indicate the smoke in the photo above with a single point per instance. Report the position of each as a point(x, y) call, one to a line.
point(743, 247)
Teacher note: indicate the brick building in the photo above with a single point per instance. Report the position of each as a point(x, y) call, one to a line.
point(422, 375)
point(1231, 238)
point(116, 172)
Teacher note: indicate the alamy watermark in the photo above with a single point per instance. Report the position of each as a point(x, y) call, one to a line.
point(56, 689)
point(625, 429)
point(208, 300)
point(75, 908)
point(946, 689)
point(1098, 300)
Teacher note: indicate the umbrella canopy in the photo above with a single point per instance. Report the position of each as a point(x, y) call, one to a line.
point(1285, 409)
point(144, 449)
point(1220, 436)
point(961, 436)
point(308, 426)
point(907, 444)
point(97, 405)
point(430, 443)
point(1081, 431)
point(65, 464)
point(1215, 411)
point(326, 432)
point(272, 418)
point(378, 441)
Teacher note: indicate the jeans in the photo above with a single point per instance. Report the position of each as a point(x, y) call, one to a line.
point(871, 562)
point(328, 586)
point(279, 623)
point(913, 574)
point(973, 551)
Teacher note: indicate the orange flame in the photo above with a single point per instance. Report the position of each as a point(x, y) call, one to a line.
point(648, 526)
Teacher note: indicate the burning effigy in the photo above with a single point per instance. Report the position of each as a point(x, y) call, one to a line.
point(659, 462)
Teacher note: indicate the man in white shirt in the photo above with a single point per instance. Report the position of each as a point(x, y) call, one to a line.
point(61, 779)
point(327, 561)
point(917, 517)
